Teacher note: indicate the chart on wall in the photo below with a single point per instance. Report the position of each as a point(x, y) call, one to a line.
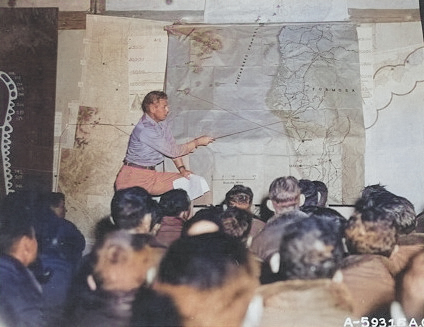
point(27, 97)
point(279, 99)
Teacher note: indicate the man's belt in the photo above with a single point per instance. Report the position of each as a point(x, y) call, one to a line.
point(126, 163)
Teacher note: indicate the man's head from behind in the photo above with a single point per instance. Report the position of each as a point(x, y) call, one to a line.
point(56, 203)
point(237, 223)
point(284, 194)
point(211, 277)
point(370, 231)
point(239, 196)
point(17, 234)
point(122, 261)
point(310, 248)
point(175, 203)
point(134, 209)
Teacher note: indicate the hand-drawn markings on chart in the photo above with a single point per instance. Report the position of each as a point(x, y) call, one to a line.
point(9, 92)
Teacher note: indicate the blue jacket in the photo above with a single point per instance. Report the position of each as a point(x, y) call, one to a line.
point(59, 238)
point(21, 301)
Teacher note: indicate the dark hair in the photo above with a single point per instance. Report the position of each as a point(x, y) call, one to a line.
point(237, 222)
point(327, 214)
point(239, 194)
point(152, 97)
point(202, 261)
point(16, 220)
point(323, 193)
point(264, 212)
point(136, 241)
point(151, 308)
point(309, 190)
point(369, 230)
point(130, 205)
point(173, 202)
point(396, 208)
point(54, 198)
point(310, 248)
point(210, 213)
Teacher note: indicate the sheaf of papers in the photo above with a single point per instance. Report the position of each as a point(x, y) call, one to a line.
point(195, 187)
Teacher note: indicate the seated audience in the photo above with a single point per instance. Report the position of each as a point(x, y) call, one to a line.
point(153, 309)
point(241, 196)
point(206, 220)
point(420, 223)
point(265, 213)
point(284, 196)
point(310, 248)
point(371, 239)
point(237, 223)
point(60, 245)
point(329, 214)
point(314, 192)
point(397, 208)
point(307, 290)
point(117, 266)
point(133, 210)
point(409, 302)
point(267, 242)
point(21, 301)
point(212, 279)
point(369, 230)
point(175, 206)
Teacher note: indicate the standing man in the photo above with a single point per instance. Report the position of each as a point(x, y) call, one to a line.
point(151, 141)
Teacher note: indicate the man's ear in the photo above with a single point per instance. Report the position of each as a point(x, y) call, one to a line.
point(249, 241)
point(395, 250)
point(270, 205)
point(338, 276)
point(155, 229)
point(151, 275)
point(302, 199)
point(91, 283)
point(144, 226)
point(254, 312)
point(274, 262)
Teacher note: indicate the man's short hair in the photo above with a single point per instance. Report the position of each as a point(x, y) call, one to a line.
point(129, 206)
point(328, 214)
point(16, 220)
point(151, 98)
point(211, 277)
point(310, 248)
point(54, 198)
point(398, 208)
point(173, 202)
point(239, 194)
point(211, 214)
point(370, 231)
point(285, 190)
point(237, 223)
point(116, 249)
point(202, 261)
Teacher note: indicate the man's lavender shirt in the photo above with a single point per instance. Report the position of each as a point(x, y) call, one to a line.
point(150, 141)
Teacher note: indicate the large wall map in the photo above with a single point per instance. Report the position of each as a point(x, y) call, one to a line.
point(280, 100)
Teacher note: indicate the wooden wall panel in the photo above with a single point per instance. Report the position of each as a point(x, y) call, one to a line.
point(28, 56)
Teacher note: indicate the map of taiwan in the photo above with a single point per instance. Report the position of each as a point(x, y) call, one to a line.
point(281, 100)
